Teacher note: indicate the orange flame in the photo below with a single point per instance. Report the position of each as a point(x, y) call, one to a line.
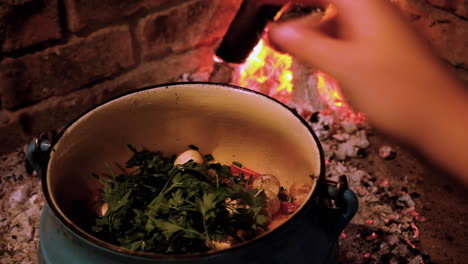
point(329, 91)
point(268, 71)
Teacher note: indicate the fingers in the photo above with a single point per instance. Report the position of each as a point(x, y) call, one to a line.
point(348, 4)
point(325, 45)
point(309, 45)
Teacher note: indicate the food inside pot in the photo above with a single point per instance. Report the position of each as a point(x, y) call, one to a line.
point(188, 203)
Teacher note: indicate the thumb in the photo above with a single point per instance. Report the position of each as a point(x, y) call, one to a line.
point(307, 44)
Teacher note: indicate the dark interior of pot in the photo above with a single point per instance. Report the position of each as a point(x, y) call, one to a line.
point(231, 123)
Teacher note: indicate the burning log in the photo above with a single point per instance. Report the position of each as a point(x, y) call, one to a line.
point(248, 26)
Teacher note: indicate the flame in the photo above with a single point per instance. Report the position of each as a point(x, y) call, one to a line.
point(267, 71)
point(329, 91)
point(270, 72)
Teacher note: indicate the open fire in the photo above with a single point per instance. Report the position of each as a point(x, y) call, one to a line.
point(267, 71)
point(270, 72)
point(386, 228)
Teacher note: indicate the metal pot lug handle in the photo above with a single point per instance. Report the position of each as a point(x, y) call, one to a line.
point(340, 204)
point(38, 154)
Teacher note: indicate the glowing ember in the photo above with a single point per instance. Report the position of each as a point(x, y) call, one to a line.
point(411, 244)
point(415, 229)
point(267, 71)
point(371, 236)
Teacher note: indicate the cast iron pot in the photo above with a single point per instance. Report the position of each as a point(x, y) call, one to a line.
point(231, 123)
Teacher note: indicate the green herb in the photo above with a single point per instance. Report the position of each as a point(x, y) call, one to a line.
point(238, 164)
point(208, 157)
point(163, 208)
point(193, 147)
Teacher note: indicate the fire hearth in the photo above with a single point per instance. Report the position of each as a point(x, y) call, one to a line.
point(409, 212)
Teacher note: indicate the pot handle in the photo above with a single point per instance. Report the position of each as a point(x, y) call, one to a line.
point(351, 207)
point(37, 153)
point(340, 204)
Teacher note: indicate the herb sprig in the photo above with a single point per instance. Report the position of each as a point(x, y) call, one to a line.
point(175, 209)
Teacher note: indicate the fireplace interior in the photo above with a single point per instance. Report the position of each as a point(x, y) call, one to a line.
point(60, 58)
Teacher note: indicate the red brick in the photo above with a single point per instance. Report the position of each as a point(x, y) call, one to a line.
point(29, 24)
point(82, 14)
point(11, 132)
point(445, 32)
point(52, 114)
point(459, 7)
point(185, 26)
point(168, 69)
point(62, 69)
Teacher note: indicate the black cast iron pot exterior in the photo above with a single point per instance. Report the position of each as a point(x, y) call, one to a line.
point(242, 124)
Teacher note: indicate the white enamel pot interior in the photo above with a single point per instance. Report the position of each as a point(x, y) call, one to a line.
point(231, 123)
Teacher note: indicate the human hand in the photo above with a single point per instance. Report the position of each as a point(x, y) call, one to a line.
point(381, 63)
point(387, 71)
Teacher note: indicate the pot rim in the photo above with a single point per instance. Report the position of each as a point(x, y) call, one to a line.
point(88, 238)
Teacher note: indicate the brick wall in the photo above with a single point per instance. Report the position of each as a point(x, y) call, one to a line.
point(60, 58)
point(444, 23)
